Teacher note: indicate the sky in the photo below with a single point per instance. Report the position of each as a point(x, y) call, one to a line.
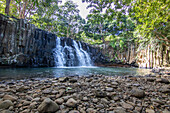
point(81, 6)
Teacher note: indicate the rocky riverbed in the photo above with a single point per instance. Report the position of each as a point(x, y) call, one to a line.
point(87, 94)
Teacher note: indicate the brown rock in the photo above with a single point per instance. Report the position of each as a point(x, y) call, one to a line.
point(109, 89)
point(104, 101)
point(138, 109)
point(119, 110)
point(127, 106)
point(73, 80)
point(162, 80)
point(165, 111)
point(73, 111)
point(46, 91)
point(165, 89)
point(157, 101)
point(22, 88)
point(26, 111)
point(59, 101)
point(61, 92)
point(66, 98)
point(100, 94)
point(29, 98)
point(63, 79)
point(25, 103)
point(95, 100)
point(71, 102)
point(149, 110)
point(151, 79)
point(91, 110)
point(36, 99)
point(137, 93)
point(6, 104)
point(48, 106)
point(33, 105)
point(9, 97)
point(85, 98)
point(6, 111)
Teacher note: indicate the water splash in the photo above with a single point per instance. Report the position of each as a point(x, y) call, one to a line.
point(71, 55)
point(59, 55)
point(79, 54)
point(87, 57)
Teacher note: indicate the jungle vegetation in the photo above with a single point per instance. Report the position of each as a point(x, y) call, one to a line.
point(115, 21)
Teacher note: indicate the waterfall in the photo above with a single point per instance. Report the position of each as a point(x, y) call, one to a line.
point(87, 57)
point(71, 54)
point(59, 55)
point(79, 54)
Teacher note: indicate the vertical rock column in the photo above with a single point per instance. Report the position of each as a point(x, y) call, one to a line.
point(7, 39)
point(22, 44)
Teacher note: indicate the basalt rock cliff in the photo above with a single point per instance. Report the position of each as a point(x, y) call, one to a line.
point(24, 45)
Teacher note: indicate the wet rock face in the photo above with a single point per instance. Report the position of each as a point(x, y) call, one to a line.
point(23, 45)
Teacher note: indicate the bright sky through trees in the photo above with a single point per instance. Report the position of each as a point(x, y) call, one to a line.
point(81, 6)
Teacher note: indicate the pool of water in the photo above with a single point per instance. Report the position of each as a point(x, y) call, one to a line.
point(68, 71)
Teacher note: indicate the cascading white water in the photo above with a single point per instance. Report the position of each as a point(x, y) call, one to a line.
point(87, 57)
point(79, 54)
point(59, 58)
point(70, 54)
point(73, 55)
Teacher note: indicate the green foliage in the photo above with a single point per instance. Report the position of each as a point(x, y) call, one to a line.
point(127, 21)
point(112, 23)
point(44, 17)
point(83, 36)
point(69, 20)
point(89, 40)
point(118, 22)
point(2, 6)
point(19, 8)
point(153, 21)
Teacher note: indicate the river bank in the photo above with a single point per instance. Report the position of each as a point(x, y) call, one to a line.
point(90, 94)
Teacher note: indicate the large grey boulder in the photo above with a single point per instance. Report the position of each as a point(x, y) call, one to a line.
point(48, 106)
point(6, 104)
point(137, 93)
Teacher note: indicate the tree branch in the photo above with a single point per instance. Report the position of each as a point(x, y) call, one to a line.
point(29, 10)
point(168, 45)
point(162, 39)
point(160, 34)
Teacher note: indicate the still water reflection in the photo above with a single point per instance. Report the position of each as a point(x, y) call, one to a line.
point(68, 71)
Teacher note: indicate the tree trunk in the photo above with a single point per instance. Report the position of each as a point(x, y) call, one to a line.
point(158, 57)
point(7, 6)
point(152, 58)
point(148, 56)
point(129, 52)
point(24, 9)
point(154, 61)
point(101, 32)
point(68, 32)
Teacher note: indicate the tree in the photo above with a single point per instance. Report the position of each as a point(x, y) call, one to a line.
point(2, 6)
point(69, 20)
point(45, 16)
point(153, 20)
point(7, 6)
point(21, 8)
